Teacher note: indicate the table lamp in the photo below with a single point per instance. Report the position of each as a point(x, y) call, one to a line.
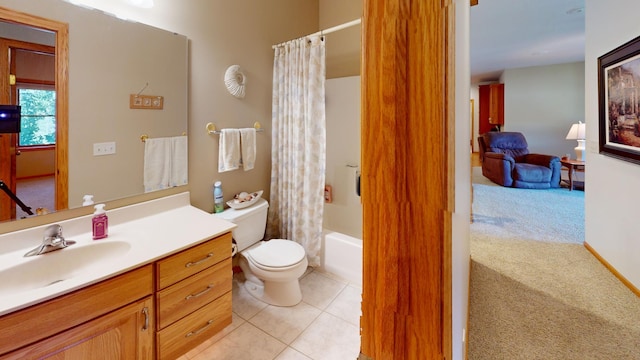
point(577, 132)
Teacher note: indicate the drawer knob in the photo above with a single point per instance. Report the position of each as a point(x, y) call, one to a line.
point(194, 263)
point(200, 330)
point(206, 290)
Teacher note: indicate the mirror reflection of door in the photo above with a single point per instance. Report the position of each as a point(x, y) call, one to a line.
point(29, 157)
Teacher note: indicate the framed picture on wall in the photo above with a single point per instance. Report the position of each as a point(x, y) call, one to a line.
point(619, 101)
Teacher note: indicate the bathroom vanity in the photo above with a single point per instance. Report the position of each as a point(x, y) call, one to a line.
point(164, 288)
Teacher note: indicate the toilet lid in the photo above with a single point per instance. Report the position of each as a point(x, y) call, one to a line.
point(277, 253)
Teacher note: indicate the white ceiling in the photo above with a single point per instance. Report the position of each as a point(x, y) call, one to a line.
point(507, 34)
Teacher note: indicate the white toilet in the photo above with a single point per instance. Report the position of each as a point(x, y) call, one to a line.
point(271, 268)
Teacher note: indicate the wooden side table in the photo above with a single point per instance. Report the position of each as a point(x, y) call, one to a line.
point(572, 166)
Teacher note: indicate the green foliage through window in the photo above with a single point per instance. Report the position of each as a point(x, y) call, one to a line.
point(38, 123)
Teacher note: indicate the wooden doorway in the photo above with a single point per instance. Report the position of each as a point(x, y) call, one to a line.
point(7, 150)
point(407, 178)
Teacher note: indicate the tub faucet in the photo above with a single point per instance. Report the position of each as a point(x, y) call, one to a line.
point(51, 241)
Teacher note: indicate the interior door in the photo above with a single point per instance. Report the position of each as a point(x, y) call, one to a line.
point(9, 142)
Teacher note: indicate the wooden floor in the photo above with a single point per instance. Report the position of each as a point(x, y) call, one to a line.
point(475, 159)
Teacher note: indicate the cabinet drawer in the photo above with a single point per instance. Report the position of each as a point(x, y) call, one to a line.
point(193, 260)
point(184, 297)
point(187, 333)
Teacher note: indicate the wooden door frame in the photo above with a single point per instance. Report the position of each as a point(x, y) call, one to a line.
point(9, 96)
point(61, 31)
point(408, 116)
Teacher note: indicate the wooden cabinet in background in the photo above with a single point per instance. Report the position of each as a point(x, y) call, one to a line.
point(491, 111)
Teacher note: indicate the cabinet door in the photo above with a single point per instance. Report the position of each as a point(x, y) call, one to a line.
point(496, 108)
point(46, 319)
point(491, 111)
point(484, 92)
point(126, 333)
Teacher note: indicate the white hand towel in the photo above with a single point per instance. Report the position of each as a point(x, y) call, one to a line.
point(179, 161)
point(157, 164)
point(248, 146)
point(229, 150)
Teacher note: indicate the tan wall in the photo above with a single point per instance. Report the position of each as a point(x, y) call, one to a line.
point(611, 197)
point(543, 102)
point(107, 63)
point(32, 163)
point(343, 47)
point(221, 34)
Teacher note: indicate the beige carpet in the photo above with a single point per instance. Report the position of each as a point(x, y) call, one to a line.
point(36, 193)
point(544, 300)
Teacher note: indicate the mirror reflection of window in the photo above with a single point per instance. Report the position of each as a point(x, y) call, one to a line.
point(38, 108)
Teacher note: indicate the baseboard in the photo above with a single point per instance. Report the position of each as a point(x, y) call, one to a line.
point(31, 177)
point(466, 334)
point(615, 272)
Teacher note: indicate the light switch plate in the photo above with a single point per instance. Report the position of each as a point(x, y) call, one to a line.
point(106, 148)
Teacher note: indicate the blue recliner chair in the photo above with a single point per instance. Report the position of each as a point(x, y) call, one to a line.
point(506, 161)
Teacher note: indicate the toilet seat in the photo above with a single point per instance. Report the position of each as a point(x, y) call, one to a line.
point(276, 255)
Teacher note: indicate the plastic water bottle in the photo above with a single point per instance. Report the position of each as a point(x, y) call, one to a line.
point(218, 199)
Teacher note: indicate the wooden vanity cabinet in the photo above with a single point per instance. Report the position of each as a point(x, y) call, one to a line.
point(193, 296)
point(160, 310)
point(115, 316)
point(126, 333)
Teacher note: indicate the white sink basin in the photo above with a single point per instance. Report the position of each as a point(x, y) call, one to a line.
point(36, 272)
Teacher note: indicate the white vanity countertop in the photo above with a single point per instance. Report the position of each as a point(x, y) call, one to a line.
point(150, 230)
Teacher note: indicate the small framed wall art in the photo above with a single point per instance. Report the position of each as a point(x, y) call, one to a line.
point(151, 102)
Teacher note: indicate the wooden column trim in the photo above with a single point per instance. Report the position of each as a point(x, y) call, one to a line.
point(407, 178)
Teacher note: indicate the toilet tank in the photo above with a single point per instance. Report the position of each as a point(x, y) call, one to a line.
point(251, 221)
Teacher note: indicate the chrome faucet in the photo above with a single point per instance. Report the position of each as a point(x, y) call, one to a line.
point(52, 240)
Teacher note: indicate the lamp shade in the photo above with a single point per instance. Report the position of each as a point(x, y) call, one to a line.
point(577, 132)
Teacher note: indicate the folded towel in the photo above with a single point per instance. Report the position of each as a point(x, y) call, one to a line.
point(248, 147)
point(157, 164)
point(229, 150)
point(179, 161)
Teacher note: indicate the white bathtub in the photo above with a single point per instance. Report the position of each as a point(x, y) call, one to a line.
point(342, 256)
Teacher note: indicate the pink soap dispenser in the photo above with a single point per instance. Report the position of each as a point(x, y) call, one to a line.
point(100, 223)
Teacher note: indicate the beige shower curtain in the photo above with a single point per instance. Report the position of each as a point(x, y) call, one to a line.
point(298, 144)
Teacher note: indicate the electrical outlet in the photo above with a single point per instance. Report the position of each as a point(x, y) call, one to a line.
point(106, 148)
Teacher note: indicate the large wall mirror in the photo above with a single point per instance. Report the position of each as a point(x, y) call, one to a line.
point(107, 60)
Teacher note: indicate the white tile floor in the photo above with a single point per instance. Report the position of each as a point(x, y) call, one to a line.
point(325, 325)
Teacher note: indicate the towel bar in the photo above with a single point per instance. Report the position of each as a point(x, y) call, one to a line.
point(212, 130)
point(144, 137)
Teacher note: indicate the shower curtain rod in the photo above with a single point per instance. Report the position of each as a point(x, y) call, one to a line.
point(329, 30)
